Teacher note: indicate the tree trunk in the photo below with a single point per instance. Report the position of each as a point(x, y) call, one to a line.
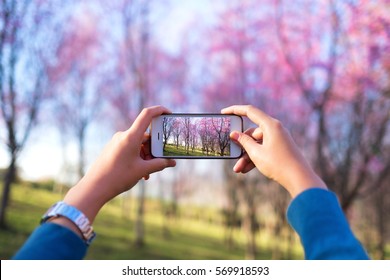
point(231, 213)
point(81, 140)
point(163, 208)
point(8, 180)
point(126, 206)
point(139, 223)
point(250, 228)
point(380, 197)
point(248, 187)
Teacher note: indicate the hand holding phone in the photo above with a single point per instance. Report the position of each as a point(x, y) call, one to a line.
point(123, 162)
point(270, 148)
point(195, 136)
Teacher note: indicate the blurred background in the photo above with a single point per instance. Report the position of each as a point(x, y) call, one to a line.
point(72, 73)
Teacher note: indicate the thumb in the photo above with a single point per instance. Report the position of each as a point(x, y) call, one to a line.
point(248, 143)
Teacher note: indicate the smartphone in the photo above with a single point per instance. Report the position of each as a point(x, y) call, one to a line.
point(195, 136)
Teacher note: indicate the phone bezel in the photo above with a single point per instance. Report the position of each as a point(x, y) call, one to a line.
point(157, 142)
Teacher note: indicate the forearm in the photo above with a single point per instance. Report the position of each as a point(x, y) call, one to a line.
point(85, 200)
point(324, 231)
point(87, 197)
point(301, 178)
point(52, 242)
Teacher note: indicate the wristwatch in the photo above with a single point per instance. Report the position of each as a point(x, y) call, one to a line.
point(61, 209)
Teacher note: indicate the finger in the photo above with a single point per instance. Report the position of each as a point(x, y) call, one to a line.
point(145, 152)
point(250, 145)
point(243, 165)
point(254, 114)
point(240, 164)
point(249, 131)
point(248, 167)
point(255, 133)
point(158, 164)
point(146, 138)
point(145, 148)
point(144, 119)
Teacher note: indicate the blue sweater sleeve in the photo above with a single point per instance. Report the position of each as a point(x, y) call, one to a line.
point(52, 242)
point(317, 217)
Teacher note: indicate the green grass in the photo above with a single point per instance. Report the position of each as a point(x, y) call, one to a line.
point(23, 216)
point(196, 234)
point(172, 150)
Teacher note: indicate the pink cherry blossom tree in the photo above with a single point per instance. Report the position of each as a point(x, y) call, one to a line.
point(76, 78)
point(222, 129)
point(167, 130)
point(176, 131)
point(235, 76)
point(322, 68)
point(143, 75)
point(341, 88)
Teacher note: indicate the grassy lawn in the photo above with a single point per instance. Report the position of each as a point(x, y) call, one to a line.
point(187, 237)
point(197, 233)
point(171, 150)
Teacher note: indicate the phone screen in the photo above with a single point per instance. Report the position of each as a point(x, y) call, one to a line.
point(197, 136)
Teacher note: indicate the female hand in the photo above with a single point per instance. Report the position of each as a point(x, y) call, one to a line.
point(124, 161)
point(271, 149)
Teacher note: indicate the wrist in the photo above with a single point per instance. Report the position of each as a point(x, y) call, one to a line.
point(66, 223)
point(86, 198)
point(72, 218)
point(303, 181)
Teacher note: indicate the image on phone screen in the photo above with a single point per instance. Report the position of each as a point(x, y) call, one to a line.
point(200, 136)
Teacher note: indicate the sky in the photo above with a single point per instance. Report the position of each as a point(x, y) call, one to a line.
point(43, 156)
point(181, 14)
